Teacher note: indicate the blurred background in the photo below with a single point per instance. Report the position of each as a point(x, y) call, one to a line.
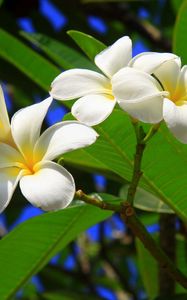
point(102, 262)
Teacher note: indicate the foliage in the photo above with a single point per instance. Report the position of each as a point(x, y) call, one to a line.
point(30, 61)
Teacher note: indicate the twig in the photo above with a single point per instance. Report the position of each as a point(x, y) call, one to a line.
point(137, 173)
point(96, 201)
point(128, 215)
point(142, 138)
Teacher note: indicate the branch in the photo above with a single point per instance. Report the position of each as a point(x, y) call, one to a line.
point(142, 138)
point(96, 201)
point(137, 173)
point(128, 215)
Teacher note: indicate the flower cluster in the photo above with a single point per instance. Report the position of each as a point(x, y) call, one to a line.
point(26, 156)
point(150, 87)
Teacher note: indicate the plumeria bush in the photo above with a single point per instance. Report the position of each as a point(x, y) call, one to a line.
point(127, 121)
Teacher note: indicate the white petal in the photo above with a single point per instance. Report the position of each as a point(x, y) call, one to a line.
point(181, 88)
point(93, 109)
point(176, 119)
point(52, 187)
point(150, 61)
point(9, 178)
point(134, 84)
point(139, 94)
point(63, 137)
point(76, 83)
point(9, 156)
point(168, 74)
point(4, 119)
point(115, 57)
point(26, 125)
point(149, 111)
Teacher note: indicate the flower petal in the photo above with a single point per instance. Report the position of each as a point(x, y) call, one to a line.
point(52, 187)
point(63, 137)
point(115, 57)
point(9, 178)
point(182, 82)
point(139, 94)
point(9, 156)
point(146, 111)
point(26, 125)
point(76, 83)
point(168, 74)
point(4, 119)
point(150, 61)
point(176, 119)
point(93, 109)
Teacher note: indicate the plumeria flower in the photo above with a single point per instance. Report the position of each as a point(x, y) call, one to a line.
point(26, 156)
point(94, 90)
point(157, 97)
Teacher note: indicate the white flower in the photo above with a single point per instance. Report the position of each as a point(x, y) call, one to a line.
point(145, 97)
point(26, 156)
point(94, 90)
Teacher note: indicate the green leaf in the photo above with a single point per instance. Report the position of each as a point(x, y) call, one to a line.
point(32, 244)
point(164, 164)
point(150, 279)
point(25, 59)
point(176, 5)
point(67, 296)
point(146, 201)
point(87, 43)
point(61, 54)
point(179, 35)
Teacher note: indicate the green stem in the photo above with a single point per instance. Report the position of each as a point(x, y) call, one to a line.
point(139, 230)
point(137, 173)
point(135, 124)
point(154, 128)
point(128, 215)
point(96, 201)
point(142, 139)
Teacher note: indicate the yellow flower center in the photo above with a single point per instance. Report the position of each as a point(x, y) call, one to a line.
point(179, 96)
point(28, 164)
point(110, 97)
point(28, 168)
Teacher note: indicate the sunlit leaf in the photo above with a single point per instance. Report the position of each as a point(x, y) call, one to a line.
point(90, 46)
point(30, 245)
point(149, 274)
point(164, 164)
point(176, 5)
point(28, 61)
point(67, 296)
point(61, 54)
point(146, 201)
point(179, 36)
